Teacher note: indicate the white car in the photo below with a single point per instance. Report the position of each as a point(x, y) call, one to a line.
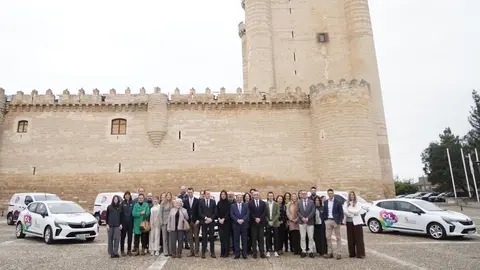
point(20, 201)
point(417, 216)
point(56, 220)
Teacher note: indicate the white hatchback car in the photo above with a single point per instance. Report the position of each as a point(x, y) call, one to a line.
point(56, 220)
point(417, 216)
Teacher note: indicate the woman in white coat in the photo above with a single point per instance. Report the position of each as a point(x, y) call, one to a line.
point(353, 211)
point(155, 227)
point(165, 207)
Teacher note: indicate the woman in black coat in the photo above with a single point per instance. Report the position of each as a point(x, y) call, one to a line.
point(224, 223)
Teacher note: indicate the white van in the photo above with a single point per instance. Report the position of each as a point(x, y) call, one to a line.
point(101, 203)
point(20, 201)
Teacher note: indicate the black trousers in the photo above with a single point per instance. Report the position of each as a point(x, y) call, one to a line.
point(258, 239)
point(295, 241)
point(272, 232)
point(136, 241)
point(225, 232)
point(282, 234)
point(356, 245)
point(249, 241)
point(127, 233)
point(320, 239)
point(287, 239)
point(207, 231)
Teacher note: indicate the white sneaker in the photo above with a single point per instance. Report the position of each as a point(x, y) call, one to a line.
point(268, 254)
point(151, 253)
point(275, 254)
point(156, 253)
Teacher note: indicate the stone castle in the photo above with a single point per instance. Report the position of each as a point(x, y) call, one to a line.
point(310, 113)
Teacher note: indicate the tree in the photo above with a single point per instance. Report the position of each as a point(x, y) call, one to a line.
point(473, 136)
point(404, 187)
point(435, 161)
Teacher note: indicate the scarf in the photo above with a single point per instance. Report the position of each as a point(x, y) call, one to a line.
point(293, 208)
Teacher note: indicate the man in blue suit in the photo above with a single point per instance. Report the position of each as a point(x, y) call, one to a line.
point(333, 216)
point(239, 214)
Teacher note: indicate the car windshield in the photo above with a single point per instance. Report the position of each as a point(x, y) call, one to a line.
point(65, 208)
point(428, 206)
point(47, 197)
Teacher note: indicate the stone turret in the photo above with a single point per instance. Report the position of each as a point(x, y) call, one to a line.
point(157, 117)
point(3, 107)
point(344, 136)
point(364, 65)
point(259, 36)
point(242, 33)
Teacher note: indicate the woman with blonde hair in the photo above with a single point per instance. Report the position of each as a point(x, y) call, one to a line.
point(155, 227)
point(353, 210)
point(165, 207)
point(177, 222)
point(293, 224)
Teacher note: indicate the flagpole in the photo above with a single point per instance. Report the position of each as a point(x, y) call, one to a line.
point(475, 182)
point(466, 174)
point(451, 174)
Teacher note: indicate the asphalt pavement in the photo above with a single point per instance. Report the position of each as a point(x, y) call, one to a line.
point(384, 251)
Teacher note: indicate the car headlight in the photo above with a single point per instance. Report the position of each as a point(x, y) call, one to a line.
point(60, 222)
point(450, 220)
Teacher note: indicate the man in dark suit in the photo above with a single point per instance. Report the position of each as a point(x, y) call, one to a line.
point(190, 203)
point(257, 209)
point(333, 216)
point(207, 213)
point(239, 214)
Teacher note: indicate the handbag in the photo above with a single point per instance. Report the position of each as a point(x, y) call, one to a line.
point(186, 226)
point(145, 225)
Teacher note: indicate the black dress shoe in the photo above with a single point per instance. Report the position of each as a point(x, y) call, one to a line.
point(237, 257)
point(262, 255)
point(312, 255)
point(255, 255)
point(303, 255)
point(245, 257)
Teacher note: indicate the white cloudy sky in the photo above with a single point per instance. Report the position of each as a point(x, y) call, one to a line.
point(428, 53)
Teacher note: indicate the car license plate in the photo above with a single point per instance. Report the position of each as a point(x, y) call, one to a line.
point(81, 236)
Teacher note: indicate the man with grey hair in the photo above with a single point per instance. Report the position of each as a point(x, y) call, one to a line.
point(257, 209)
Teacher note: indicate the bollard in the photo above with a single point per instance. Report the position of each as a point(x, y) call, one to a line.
point(461, 207)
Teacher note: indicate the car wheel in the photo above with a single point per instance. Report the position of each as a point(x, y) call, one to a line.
point(436, 230)
point(97, 216)
point(90, 239)
point(10, 219)
point(19, 231)
point(47, 235)
point(374, 225)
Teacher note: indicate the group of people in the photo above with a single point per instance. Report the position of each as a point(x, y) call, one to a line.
point(247, 225)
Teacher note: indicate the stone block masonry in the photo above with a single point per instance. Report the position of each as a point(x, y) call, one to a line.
point(270, 141)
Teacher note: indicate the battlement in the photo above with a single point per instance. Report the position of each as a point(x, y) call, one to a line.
point(288, 95)
point(341, 85)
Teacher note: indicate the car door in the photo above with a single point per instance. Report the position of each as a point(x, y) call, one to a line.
point(387, 215)
point(28, 217)
point(407, 219)
point(40, 220)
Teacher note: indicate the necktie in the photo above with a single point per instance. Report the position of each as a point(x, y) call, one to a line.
point(207, 203)
point(239, 208)
point(305, 205)
point(191, 202)
point(256, 202)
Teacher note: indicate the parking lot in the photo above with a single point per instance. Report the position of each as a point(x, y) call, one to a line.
point(384, 251)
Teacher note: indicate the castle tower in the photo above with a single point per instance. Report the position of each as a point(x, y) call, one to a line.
point(259, 36)
point(345, 152)
point(314, 41)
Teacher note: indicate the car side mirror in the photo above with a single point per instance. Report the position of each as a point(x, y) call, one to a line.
point(418, 212)
point(44, 215)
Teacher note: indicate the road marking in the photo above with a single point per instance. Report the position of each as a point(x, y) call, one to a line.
point(426, 243)
point(387, 257)
point(6, 242)
point(159, 263)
